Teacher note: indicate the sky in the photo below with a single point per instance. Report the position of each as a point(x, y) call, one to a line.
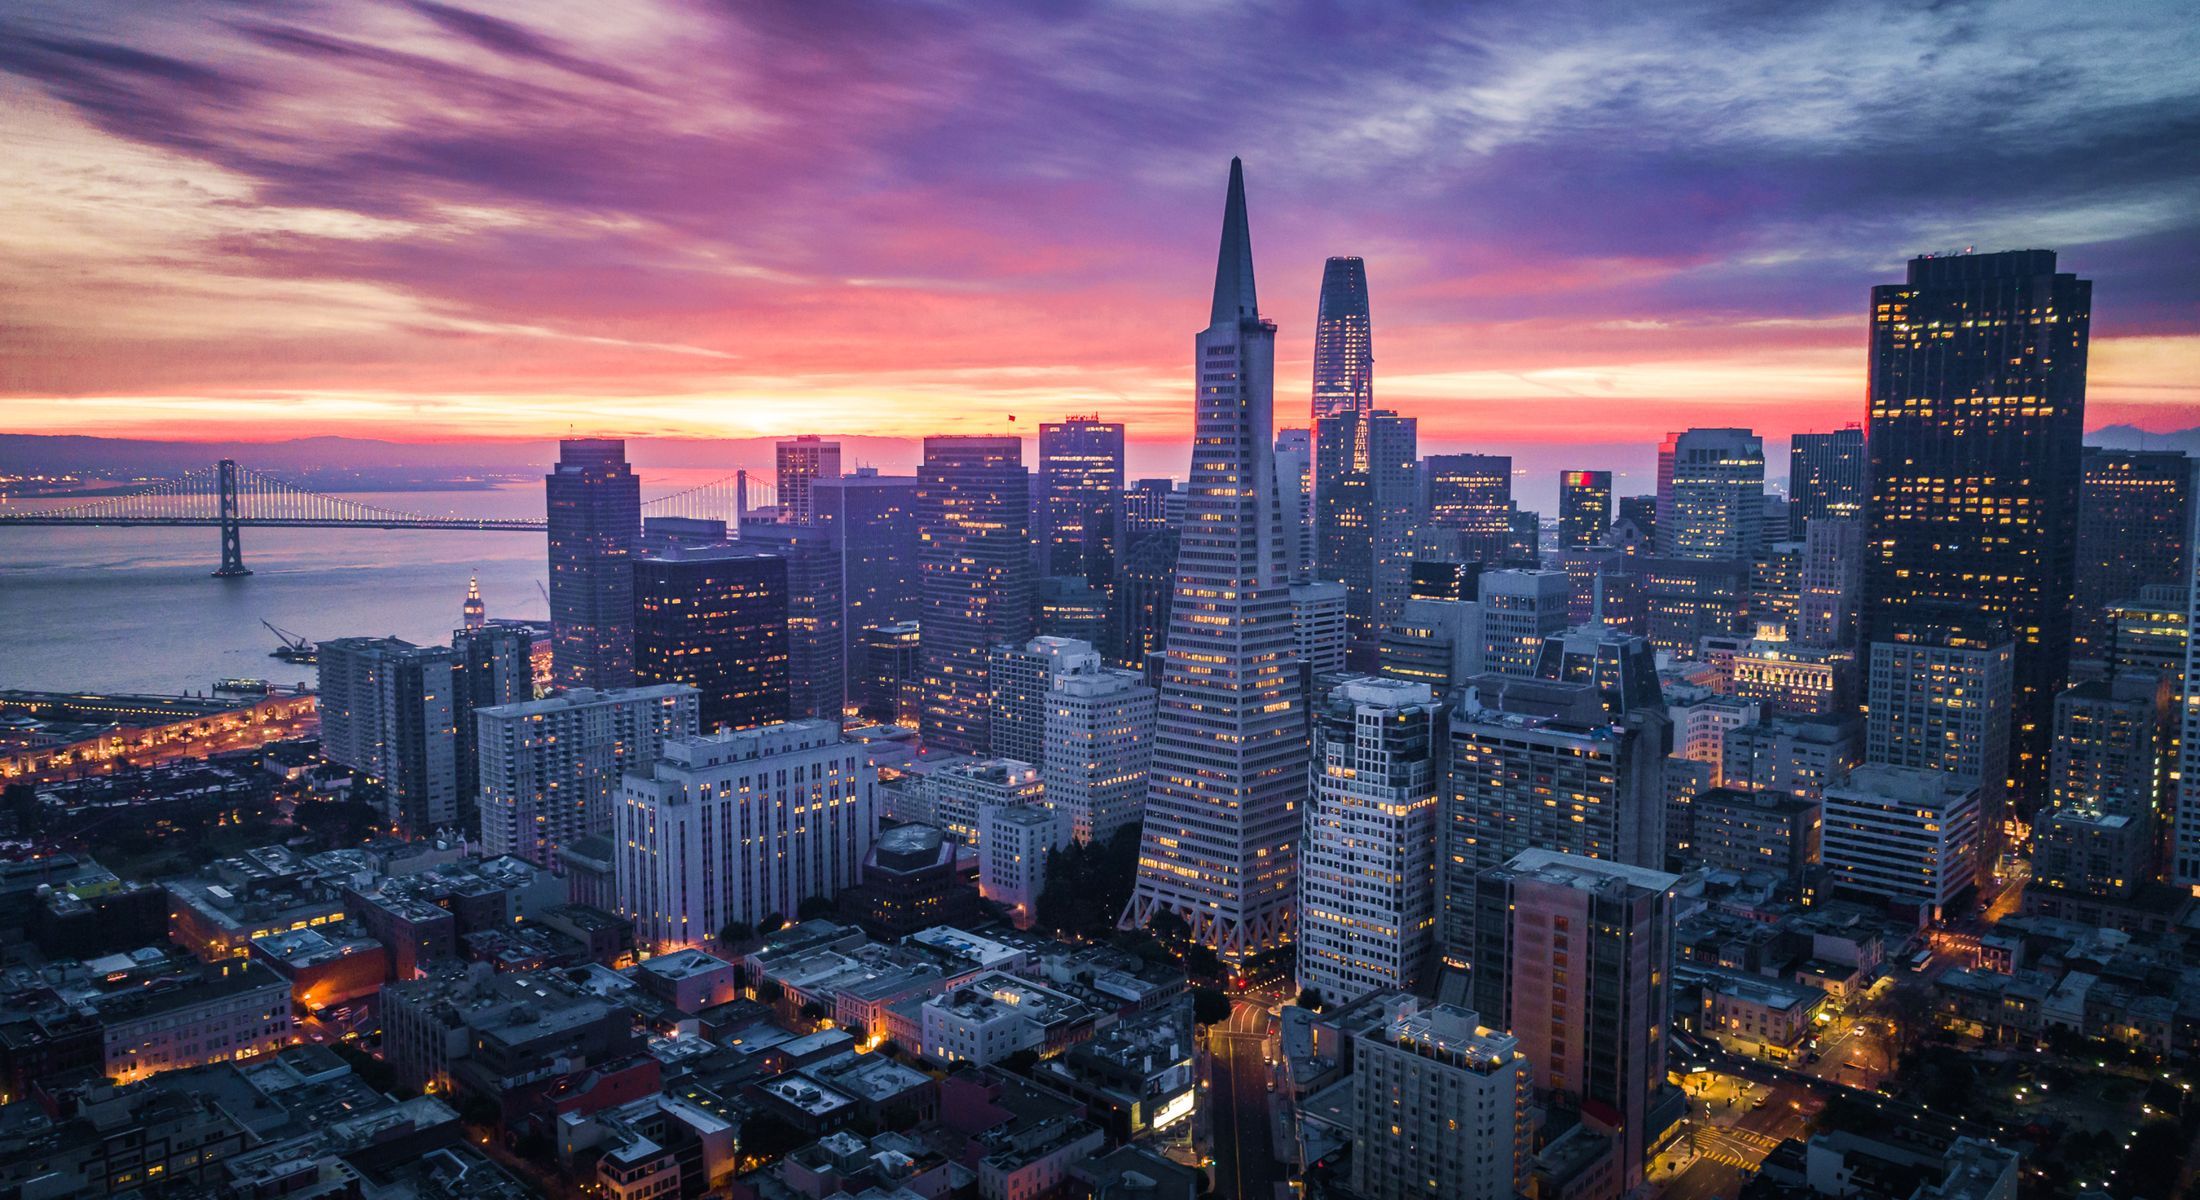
point(674, 218)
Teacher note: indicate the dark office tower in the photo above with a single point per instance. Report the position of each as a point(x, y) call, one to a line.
point(2134, 508)
point(872, 519)
point(595, 518)
point(1144, 583)
point(1827, 474)
point(890, 691)
point(1584, 508)
point(1081, 481)
point(1364, 513)
point(1977, 411)
point(817, 667)
point(715, 618)
point(802, 462)
point(1145, 510)
point(1472, 493)
point(1230, 762)
point(1344, 342)
point(490, 665)
point(974, 526)
point(1642, 513)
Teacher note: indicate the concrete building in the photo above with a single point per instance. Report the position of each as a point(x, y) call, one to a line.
point(1014, 843)
point(1832, 582)
point(1098, 750)
point(956, 795)
point(1575, 956)
point(1540, 764)
point(1441, 1105)
point(1714, 507)
point(872, 520)
point(1908, 834)
point(800, 462)
point(1943, 700)
point(1319, 631)
point(1799, 757)
point(731, 827)
point(549, 769)
point(1518, 610)
point(997, 1014)
point(1367, 878)
point(817, 674)
point(235, 1010)
point(1755, 831)
point(1021, 677)
point(388, 711)
point(1434, 642)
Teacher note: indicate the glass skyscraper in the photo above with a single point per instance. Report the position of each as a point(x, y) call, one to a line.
point(594, 504)
point(1223, 808)
point(1081, 489)
point(1584, 508)
point(974, 530)
point(1344, 342)
point(1977, 417)
point(1827, 473)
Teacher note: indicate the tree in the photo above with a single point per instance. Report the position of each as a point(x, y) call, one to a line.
point(768, 991)
point(816, 908)
point(1022, 1061)
point(814, 1012)
point(2154, 1164)
point(735, 934)
point(1310, 998)
point(1209, 1006)
point(771, 924)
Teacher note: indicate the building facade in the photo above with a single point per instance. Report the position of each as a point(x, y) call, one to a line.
point(594, 504)
point(549, 769)
point(1584, 508)
point(974, 529)
point(1367, 873)
point(715, 619)
point(1219, 846)
point(1976, 403)
point(732, 827)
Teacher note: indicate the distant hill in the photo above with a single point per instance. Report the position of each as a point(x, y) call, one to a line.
point(2125, 437)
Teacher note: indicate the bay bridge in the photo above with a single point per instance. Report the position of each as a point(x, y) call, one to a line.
point(231, 497)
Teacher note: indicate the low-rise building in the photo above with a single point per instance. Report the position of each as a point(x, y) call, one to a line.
point(997, 1014)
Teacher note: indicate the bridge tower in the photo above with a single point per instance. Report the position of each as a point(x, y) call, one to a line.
point(232, 547)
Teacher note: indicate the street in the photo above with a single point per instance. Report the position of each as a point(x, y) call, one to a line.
point(1239, 1104)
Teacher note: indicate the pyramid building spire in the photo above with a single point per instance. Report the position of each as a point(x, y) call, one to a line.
point(1234, 299)
point(1226, 796)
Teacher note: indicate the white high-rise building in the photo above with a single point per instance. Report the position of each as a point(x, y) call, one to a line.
point(1295, 475)
point(738, 825)
point(1319, 631)
point(1099, 749)
point(1904, 833)
point(1015, 841)
point(1442, 1109)
point(1367, 870)
point(1021, 677)
point(1715, 507)
point(1219, 847)
point(550, 768)
point(956, 796)
point(1518, 610)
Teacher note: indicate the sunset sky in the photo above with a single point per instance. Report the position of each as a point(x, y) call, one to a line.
point(647, 217)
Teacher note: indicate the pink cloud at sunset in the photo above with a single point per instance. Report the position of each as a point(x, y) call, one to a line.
point(416, 221)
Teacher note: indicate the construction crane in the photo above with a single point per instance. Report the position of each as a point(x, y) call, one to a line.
point(294, 649)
